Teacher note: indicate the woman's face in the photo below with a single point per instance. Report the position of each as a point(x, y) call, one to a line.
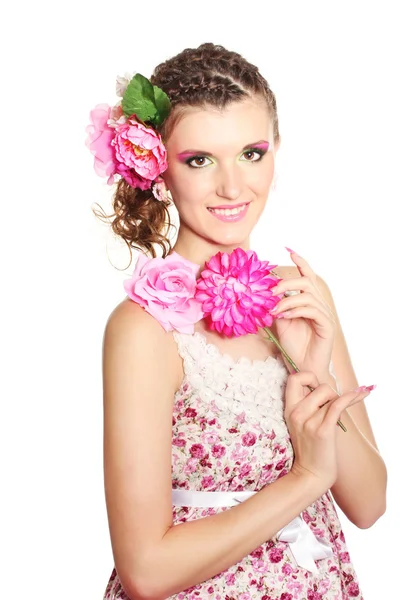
point(222, 159)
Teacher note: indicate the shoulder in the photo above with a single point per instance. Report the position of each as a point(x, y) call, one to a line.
point(287, 272)
point(291, 271)
point(132, 335)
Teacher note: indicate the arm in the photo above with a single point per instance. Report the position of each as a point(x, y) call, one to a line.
point(360, 489)
point(137, 471)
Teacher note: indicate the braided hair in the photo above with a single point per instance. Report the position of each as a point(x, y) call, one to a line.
point(209, 75)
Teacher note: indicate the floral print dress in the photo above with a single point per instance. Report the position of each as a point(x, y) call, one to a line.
point(229, 434)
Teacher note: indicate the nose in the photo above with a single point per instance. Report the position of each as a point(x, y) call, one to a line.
point(229, 184)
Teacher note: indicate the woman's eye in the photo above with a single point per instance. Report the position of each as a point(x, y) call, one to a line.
point(198, 160)
point(253, 153)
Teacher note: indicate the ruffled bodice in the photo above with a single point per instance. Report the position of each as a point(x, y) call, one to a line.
point(253, 387)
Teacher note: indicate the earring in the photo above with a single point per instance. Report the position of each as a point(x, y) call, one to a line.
point(274, 181)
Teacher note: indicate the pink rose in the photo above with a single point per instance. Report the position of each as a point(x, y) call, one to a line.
point(353, 590)
point(275, 555)
point(165, 288)
point(140, 152)
point(179, 442)
point(197, 450)
point(218, 451)
point(249, 439)
point(99, 142)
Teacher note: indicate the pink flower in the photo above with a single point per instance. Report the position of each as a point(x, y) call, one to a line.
point(165, 288)
point(353, 590)
point(275, 555)
point(179, 442)
point(245, 469)
point(197, 450)
point(235, 292)
point(207, 481)
point(160, 190)
point(249, 439)
point(99, 142)
point(344, 557)
point(218, 451)
point(140, 153)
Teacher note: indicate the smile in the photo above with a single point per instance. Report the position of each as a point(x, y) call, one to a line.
point(230, 214)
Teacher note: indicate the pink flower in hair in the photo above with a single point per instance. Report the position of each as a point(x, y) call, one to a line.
point(235, 292)
point(159, 190)
point(139, 151)
point(99, 142)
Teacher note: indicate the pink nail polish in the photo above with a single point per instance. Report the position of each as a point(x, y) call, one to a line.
point(289, 250)
point(370, 387)
point(364, 388)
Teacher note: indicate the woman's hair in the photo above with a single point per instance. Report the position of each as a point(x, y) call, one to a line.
point(209, 75)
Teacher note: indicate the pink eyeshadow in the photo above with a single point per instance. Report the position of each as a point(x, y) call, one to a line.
point(185, 155)
point(262, 146)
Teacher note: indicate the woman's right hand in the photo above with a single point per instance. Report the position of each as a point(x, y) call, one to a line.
point(311, 419)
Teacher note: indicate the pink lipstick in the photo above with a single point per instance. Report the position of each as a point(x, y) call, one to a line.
point(222, 212)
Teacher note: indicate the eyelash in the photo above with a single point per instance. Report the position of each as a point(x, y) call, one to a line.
point(257, 150)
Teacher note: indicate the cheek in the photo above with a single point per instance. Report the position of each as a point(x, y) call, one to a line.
point(261, 179)
point(193, 187)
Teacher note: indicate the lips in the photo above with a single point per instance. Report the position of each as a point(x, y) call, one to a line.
point(232, 206)
point(229, 216)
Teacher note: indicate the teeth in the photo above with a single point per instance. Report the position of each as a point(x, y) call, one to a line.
point(227, 211)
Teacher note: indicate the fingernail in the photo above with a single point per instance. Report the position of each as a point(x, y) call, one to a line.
point(289, 250)
point(365, 388)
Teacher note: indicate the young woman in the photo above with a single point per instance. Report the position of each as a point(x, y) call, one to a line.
point(221, 467)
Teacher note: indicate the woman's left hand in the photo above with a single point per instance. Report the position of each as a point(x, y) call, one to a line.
point(307, 327)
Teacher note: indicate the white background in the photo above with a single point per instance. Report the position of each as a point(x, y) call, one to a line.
point(334, 69)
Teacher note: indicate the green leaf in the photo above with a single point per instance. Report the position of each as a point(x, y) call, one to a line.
point(139, 99)
point(163, 105)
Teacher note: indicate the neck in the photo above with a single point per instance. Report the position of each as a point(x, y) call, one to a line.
point(199, 250)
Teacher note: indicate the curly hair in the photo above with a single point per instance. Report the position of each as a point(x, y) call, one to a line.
point(209, 75)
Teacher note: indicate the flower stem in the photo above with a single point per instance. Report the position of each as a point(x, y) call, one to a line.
point(290, 361)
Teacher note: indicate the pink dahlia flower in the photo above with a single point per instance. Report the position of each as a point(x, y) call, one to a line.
point(99, 142)
point(140, 153)
point(235, 292)
point(165, 288)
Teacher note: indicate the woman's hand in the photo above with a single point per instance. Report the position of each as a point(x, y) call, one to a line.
point(311, 421)
point(305, 325)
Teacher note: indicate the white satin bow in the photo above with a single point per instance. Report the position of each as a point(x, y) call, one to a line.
point(305, 546)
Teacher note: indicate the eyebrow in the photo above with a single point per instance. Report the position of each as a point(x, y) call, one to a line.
point(190, 152)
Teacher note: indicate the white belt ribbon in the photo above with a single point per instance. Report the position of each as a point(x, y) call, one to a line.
point(305, 546)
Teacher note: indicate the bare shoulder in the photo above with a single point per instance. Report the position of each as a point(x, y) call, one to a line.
point(131, 331)
point(287, 272)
